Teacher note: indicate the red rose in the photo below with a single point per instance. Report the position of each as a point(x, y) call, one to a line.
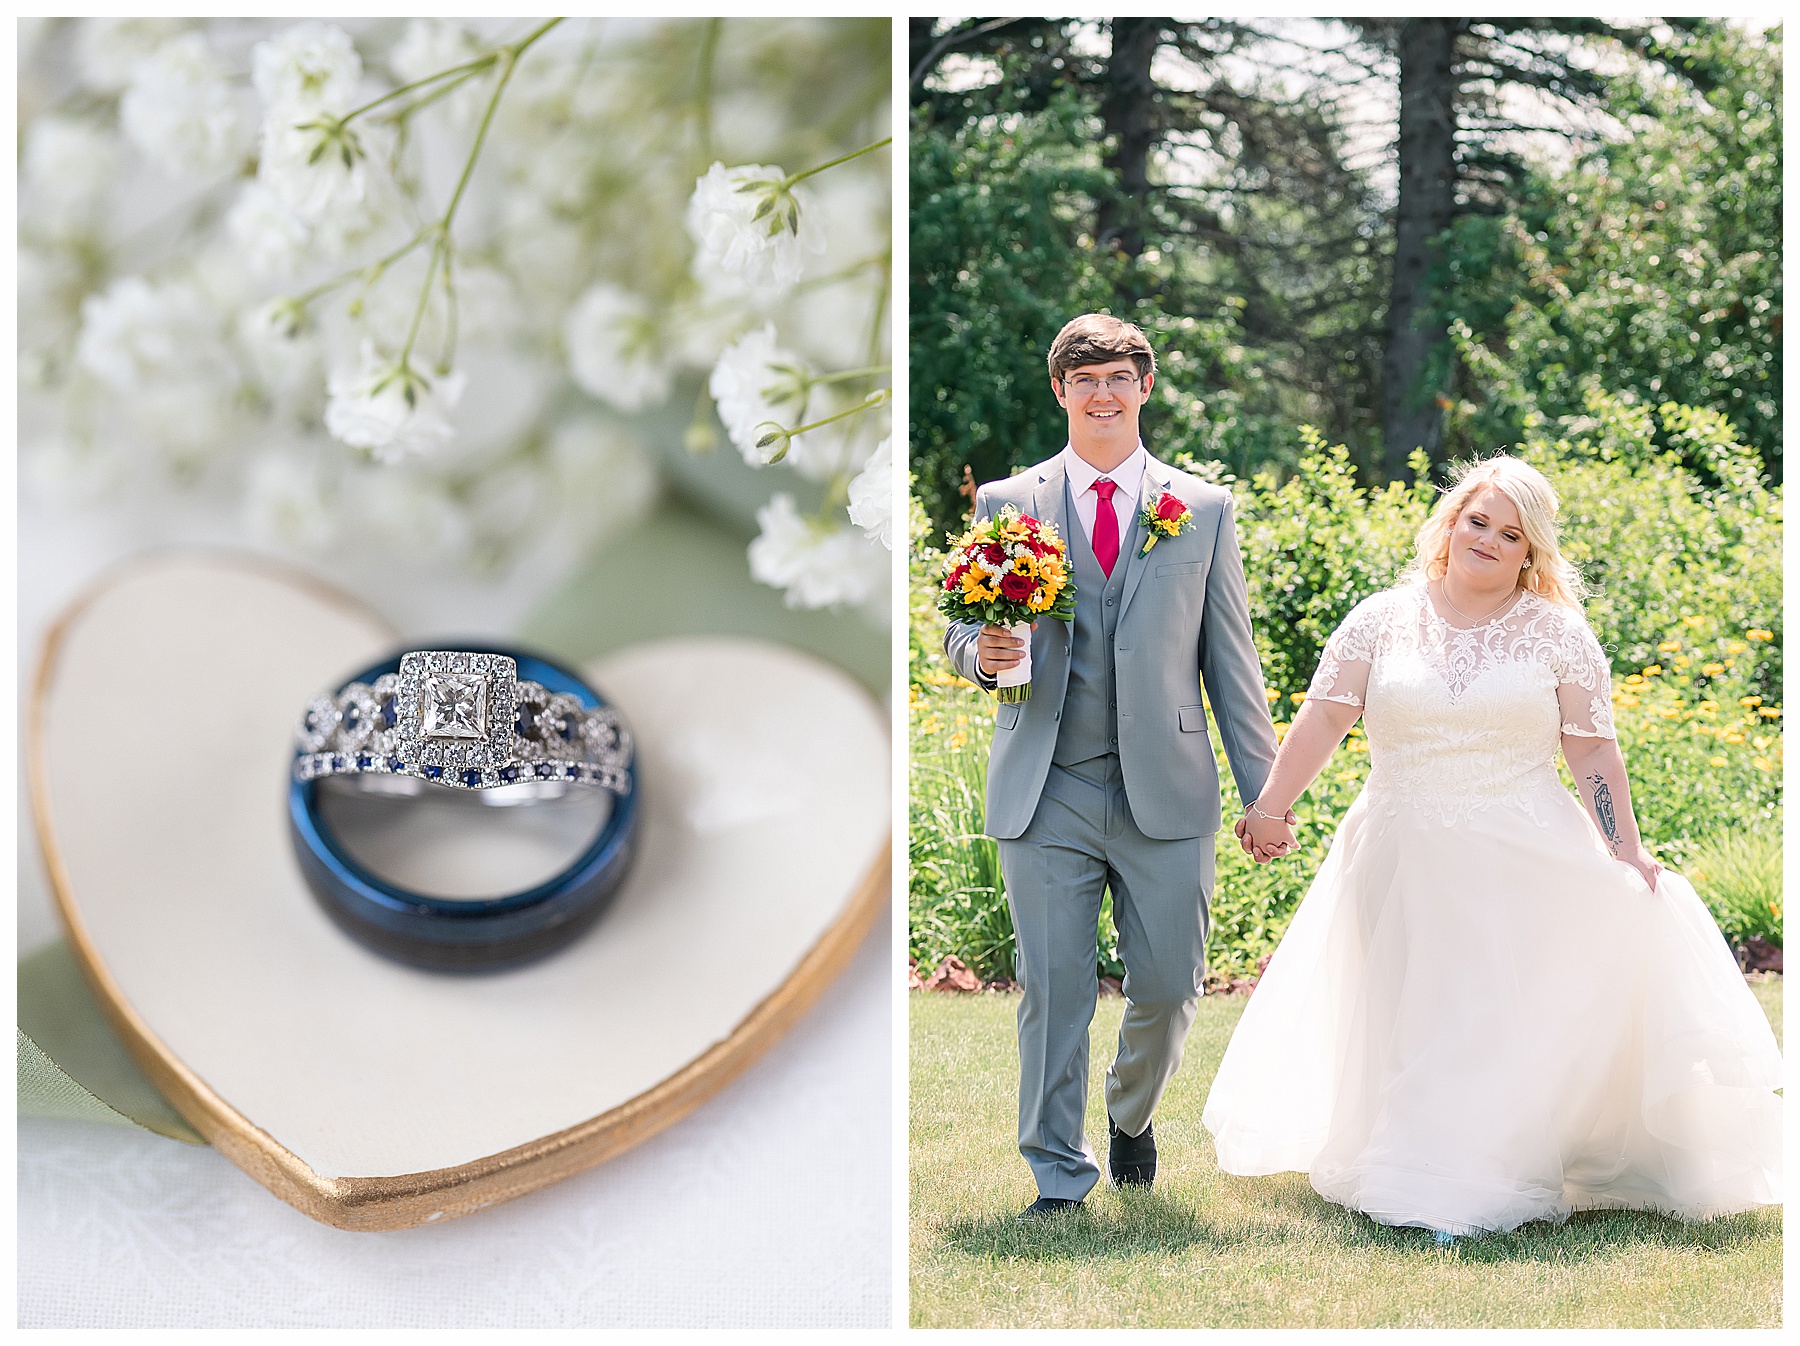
point(1028, 521)
point(994, 553)
point(954, 581)
point(1016, 587)
point(1170, 508)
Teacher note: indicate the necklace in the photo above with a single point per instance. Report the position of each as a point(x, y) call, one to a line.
point(1444, 593)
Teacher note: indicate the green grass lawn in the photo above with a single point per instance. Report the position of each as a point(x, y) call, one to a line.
point(1206, 1249)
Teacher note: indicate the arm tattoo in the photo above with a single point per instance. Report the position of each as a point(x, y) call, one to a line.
point(1603, 811)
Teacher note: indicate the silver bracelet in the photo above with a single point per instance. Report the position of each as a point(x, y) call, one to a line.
point(1251, 808)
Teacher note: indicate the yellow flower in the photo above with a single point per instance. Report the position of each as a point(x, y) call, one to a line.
point(1681, 680)
point(1756, 633)
point(1717, 761)
point(1693, 621)
point(1626, 700)
point(1763, 764)
point(1712, 670)
point(1297, 697)
point(1669, 646)
point(1749, 701)
point(1653, 670)
point(1735, 647)
point(1634, 679)
point(1769, 712)
point(1271, 695)
point(1734, 736)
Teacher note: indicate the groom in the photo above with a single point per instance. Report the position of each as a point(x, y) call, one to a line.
point(1105, 777)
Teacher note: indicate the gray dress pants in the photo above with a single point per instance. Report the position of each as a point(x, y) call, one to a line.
point(1081, 840)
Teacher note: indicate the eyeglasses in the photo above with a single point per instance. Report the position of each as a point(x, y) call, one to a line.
point(1086, 385)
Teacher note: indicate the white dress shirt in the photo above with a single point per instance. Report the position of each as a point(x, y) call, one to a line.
point(1129, 477)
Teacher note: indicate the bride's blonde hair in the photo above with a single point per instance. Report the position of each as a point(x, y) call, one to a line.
point(1547, 574)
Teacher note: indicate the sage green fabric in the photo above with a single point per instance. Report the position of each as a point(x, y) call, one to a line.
point(681, 572)
point(71, 1064)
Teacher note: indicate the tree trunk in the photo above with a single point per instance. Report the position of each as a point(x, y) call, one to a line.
point(1410, 414)
point(1128, 111)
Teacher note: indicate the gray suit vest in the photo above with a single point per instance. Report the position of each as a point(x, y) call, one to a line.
point(1089, 727)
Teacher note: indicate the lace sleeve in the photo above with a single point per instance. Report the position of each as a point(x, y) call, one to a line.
point(1583, 682)
point(1343, 671)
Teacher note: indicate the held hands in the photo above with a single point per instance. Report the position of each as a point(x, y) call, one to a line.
point(995, 649)
point(1266, 839)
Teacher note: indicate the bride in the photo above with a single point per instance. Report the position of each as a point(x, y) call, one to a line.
point(1493, 1004)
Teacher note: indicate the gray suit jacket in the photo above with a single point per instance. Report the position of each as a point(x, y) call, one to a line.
point(1184, 615)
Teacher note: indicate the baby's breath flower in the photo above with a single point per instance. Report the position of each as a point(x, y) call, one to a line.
point(615, 351)
point(109, 50)
point(183, 113)
point(313, 164)
point(872, 496)
point(748, 223)
point(756, 384)
point(389, 409)
point(312, 66)
point(819, 565)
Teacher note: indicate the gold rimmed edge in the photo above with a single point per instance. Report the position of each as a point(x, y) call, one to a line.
point(408, 1200)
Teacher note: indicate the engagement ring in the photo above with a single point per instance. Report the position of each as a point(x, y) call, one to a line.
point(465, 719)
point(452, 729)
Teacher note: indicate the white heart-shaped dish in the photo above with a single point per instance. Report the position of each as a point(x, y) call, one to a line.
point(374, 1096)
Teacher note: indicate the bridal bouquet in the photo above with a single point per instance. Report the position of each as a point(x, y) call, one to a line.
point(1009, 571)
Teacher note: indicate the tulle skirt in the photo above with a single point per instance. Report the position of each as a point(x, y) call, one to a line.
point(1469, 1027)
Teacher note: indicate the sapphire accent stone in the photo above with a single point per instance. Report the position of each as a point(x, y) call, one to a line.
point(364, 763)
point(337, 764)
point(395, 764)
point(546, 771)
point(434, 772)
point(509, 774)
point(471, 778)
point(390, 713)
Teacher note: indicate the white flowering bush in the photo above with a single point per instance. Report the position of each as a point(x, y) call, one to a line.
point(447, 291)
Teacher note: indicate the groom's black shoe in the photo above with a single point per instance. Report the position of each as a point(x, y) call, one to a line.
point(1047, 1205)
point(1132, 1159)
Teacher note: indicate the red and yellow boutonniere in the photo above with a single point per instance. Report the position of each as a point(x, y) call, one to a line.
point(1169, 516)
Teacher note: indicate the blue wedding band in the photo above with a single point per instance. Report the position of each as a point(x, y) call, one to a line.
point(474, 934)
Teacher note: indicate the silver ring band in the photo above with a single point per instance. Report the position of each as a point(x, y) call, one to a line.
point(464, 719)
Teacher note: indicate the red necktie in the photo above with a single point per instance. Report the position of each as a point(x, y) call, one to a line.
point(1106, 527)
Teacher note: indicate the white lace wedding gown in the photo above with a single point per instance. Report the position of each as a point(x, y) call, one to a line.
point(1478, 1017)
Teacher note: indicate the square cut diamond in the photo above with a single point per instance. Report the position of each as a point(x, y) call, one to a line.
point(455, 706)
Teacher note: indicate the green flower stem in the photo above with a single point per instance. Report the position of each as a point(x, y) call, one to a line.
point(844, 375)
point(468, 69)
point(373, 271)
point(875, 399)
point(703, 92)
point(792, 178)
point(442, 244)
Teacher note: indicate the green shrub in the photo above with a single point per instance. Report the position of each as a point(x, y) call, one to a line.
point(1738, 875)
